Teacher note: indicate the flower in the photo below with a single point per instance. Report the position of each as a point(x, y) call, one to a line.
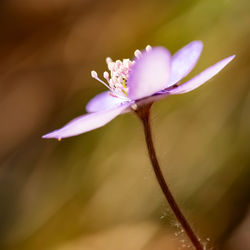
point(152, 75)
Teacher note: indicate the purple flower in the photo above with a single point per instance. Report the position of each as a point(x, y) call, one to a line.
point(152, 75)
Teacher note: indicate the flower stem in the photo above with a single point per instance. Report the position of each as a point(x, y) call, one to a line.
point(143, 113)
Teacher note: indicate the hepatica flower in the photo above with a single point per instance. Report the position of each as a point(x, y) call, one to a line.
point(133, 85)
point(151, 75)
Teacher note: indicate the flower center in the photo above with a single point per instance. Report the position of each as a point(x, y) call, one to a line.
point(119, 73)
point(118, 77)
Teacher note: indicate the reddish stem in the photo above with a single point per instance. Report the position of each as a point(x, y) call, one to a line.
point(143, 113)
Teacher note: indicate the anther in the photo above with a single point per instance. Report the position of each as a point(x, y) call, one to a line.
point(137, 53)
point(106, 76)
point(108, 60)
point(94, 74)
point(148, 48)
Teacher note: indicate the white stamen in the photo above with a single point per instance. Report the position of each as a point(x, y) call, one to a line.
point(118, 63)
point(95, 76)
point(106, 76)
point(118, 76)
point(119, 96)
point(148, 48)
point(137, 53)
point(108, 60)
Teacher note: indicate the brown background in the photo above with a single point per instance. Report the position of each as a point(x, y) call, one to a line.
point(97, 191)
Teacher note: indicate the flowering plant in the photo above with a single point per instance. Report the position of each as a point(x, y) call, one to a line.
point(133, 85)
point(152, 75)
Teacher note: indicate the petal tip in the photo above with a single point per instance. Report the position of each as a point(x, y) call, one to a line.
point(184, 60)
point(230, 58)
point(203, 77)
point(44, 136)
point(227, 60)
point(198, 43)
point(86, 122)
point(49, 136)
point(53, 135)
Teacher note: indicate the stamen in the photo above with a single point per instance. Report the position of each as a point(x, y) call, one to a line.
point(118, 76)
point(95, 76)
point(148, 48)
point(124, 92)
point(106, 76)
point(108, 60)
point(112, 94)
point(118, 63)
point(137, 53)
point(119, 96)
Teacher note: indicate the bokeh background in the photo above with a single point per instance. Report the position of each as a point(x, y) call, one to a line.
point(97, 191)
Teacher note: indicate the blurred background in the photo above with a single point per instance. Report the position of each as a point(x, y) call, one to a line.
point(97, 191)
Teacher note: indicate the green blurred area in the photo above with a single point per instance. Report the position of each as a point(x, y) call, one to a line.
point(97, 191)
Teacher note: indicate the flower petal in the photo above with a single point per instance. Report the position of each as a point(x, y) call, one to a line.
point(184, 60)
point(149, 74)
point(86, 123)
point(103, 101)
point(201, 78)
